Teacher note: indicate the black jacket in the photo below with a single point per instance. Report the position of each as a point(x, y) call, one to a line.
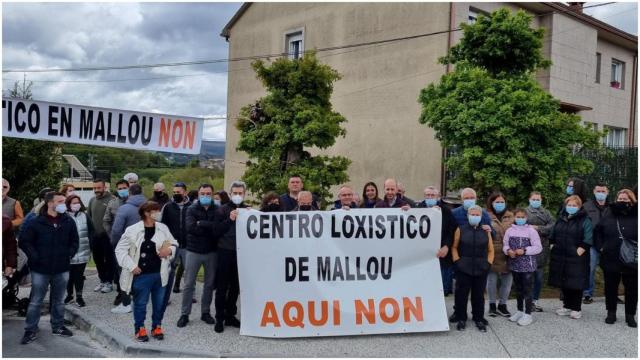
point(566, 268)
point(607, 239)
point(204, 227)
point(228, 239)
point(176, 220)
point(290, 204)
point(50, 248)
point(449, 226)
point(595, 211)
point(473, 250)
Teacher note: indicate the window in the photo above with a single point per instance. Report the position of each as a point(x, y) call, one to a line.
point(617, 74)
point(474, 13)
point(615, 137)
point(598, 64)
point(294, 44)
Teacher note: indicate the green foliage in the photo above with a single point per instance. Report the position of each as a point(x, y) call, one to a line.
point(193, 177)
point(114, 159)
point(500, 43)
point(507, 133)
point(296, 114)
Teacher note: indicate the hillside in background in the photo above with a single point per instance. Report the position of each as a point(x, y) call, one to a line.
point(209, 150)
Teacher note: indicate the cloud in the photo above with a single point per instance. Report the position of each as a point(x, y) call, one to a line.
point(623, 15)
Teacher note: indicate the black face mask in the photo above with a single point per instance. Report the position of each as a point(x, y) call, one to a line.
point(178, 198)
point(158, 194)
point(621, 206)
point(305, 207)
point(272, 208)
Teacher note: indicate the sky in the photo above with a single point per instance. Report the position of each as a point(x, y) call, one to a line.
point(67, 35)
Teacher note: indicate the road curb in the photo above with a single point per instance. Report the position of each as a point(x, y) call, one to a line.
point(117, 342)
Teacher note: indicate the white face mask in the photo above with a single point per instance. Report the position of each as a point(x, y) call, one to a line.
point(236, 199)
point(75, 207)
point(157, 216)
point(61, 208)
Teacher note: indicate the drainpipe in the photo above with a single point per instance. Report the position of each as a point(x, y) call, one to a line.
point(452, 19)
point(632, 116)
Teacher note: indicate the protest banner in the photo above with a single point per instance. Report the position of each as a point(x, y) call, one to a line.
point(344, 272)
point(41, 120)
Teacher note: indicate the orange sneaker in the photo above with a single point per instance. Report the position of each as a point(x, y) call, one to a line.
point(157, 333)
point(141, 335)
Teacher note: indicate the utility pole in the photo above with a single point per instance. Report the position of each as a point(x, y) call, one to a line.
point(92, 164)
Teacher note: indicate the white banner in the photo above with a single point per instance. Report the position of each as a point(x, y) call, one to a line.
point(344, 272)
point(41, 120)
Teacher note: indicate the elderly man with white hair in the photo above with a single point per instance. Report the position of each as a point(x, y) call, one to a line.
point(469, 199)
point(159, 195)
point(345, 199)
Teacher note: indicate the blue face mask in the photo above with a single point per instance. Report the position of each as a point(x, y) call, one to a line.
point(535, 203)
point(521, 221)
point(499, 206)
point(600, 196)
point(217, 202)
point(123, 193)
point(430, 202)
point(474, 220)
point(204, 200)
point(468, 203)
point(571, 210)
point(569, 190)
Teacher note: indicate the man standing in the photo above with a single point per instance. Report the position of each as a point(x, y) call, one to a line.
point(11, 207)
point(469, 198)
point(204, 227)
point(126, 216)
point(401, 195)
point(289, 201)
point(49, 242)
point(159, 195)
point(305, 202)
point(596, 209)
point(345, 199)
point(391, 199)
point(122, 193)
point(227, 282)
point(101, 244)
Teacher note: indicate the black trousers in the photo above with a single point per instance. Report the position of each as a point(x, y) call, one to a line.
point(630, 282)
point(524, 284)
point(227, 284)
point(572, 299)
point(126, 298)
point(104, 257)
point(76, 279)
point(475, 285)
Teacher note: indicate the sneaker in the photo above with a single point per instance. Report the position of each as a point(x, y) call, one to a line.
point(218, 327)
point(611, 317)
point(29, 336)
point(525, 319)
point(121, 309)
point(575, 314)
point(492, 310)
point(502, 310)
point(206, 317)
point(106, 288)
point(461, 325)
point(157, 333)
point(517, 316)
point(98, 287)
point(68, 300)
point(62, 331)
point(141, 335)
point(80, 302)
point(182, 322)
point(587, 300)
point(563, 311)
point(232, 321)
point(537, 308)
point(481, 326)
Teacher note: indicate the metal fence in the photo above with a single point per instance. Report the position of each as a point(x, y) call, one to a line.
point(616, 166)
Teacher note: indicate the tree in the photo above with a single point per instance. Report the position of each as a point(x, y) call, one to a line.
point(29, 165)
point(295, 115)
point(505, 131)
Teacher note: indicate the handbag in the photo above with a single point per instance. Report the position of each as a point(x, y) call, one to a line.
point(628, 250)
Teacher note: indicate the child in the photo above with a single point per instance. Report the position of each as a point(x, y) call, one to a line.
point(77, 211)
point(521, 243)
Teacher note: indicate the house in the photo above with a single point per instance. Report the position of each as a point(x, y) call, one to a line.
point(593, 74)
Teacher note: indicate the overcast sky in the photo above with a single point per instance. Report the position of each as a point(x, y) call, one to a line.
point(63, 35)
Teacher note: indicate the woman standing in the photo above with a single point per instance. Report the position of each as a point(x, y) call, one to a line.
point(77, 211)
point(145, 252)
point(369, 195)
point(541, 220)
point(271, 202)
point(618, 226)
point(501, 220)
point(570, 240)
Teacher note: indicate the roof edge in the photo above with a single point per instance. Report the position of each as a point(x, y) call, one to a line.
point(226, 31)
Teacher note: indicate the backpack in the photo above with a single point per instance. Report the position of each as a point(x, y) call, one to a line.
point(628, 250)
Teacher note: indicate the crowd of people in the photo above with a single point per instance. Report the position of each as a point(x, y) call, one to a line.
point(151, 248)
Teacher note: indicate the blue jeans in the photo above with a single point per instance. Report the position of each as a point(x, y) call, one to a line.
point(593, 265)
point(447, 279)
point(39, 286)
point(538, 279)
point(145, 285)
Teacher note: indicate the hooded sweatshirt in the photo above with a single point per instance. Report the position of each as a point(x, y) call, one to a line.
point(522, 237)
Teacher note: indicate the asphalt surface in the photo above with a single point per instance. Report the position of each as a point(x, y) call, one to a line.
point(549, 336)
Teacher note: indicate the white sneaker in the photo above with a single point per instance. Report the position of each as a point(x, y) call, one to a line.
point(525, 320)
point(121, 309)
point(98, 287)
point(106, 288)
point(517, 316)
point(563, 312)
point(575, 314)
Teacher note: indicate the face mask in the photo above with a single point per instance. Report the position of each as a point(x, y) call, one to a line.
point(217, 202)
point(430, 202)
point(600, 196)
point(236, 199)
point(75, 207)
point(272, 208)
point(178, 198)
point(123, 193)
point(521, 221)
point(474, 220)
point(621, 206)
point(204, 200)
point(499, 206)
point(571, 210)
point(305, 207)
point(535, 203)
point(157, 216)
point(569, 190)
point(61, 208)
point(468, 203)
point(157, 194)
